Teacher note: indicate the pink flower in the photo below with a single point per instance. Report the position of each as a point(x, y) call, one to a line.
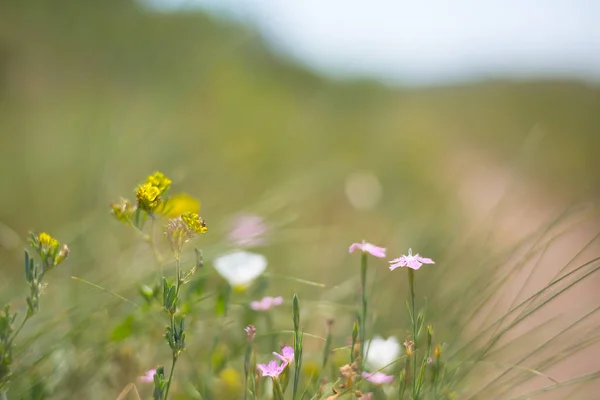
point(378, 378)
point(266, 303)
point(271, 369)
point(410, 261)
point(368, 248)
point(148, 377)
point(250, 331)
point(287, 355)
point(248, 230)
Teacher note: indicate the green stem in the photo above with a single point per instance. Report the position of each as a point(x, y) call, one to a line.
point(17, 331)
point(172, 321)
point(170, 376)
point(411, 282)
point(363, 320)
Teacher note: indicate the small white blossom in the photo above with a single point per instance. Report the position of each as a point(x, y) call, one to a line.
point(240, 268)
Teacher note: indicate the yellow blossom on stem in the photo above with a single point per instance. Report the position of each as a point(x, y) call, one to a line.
point(160, 181)
point(148, 197)
point(47, 241)
point(194, 222)
point(49, 249)
point(181, 229)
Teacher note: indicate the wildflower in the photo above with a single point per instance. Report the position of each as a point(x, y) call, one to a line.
point(160, 181)
point(240, 268)
point(248, 230)
point(62, 255)
point(410, 261)
point(438, 351)
point(287, 355)
point(49, 249)
point(349, 372)
point(181, 229)
point(266, 303)
point(194, 222)
point(150, 194)
point(123, 211)
point(47, 241)
point(148, 197)
point(381, 352)
point(178, 204)
point(251, 332)
point(377, 378)
point(408, 346)
point(272, 369)
point(148, 377)
point(368, 248)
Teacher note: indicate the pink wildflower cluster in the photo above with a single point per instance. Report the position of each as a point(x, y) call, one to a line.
point(266, 303)
point(273, 368)
point(415, 262)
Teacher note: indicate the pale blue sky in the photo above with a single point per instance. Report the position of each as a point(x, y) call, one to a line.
point(427, 41)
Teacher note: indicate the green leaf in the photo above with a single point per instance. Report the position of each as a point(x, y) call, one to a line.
point(124, 329)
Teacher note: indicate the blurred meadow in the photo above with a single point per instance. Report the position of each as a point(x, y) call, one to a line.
point(497, 181)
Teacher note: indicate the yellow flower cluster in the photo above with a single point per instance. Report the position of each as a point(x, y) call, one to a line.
point(47, 241)
point(150, 194)
point(181, 229)
point(49, 249)
point(194, 222)
point(159, 180)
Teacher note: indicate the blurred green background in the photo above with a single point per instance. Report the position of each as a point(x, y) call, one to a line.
point(94, 96)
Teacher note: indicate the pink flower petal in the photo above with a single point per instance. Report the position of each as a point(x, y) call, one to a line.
point(375, 251)
point(414, 264)
point(355, 246)
point(287, 355)
point(148, 377)
point(377, 378)
point(365, 247)
point(277, 301)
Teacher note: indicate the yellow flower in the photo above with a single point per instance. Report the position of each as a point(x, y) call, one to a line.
point(181, 229)
point(148, 197)
point(47, 241)
point(48, 249)
point(178, 204)
point(159, 180)
point(194, 222)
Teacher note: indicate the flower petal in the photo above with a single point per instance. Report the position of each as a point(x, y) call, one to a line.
point(375, 251)
point(355, 246)
point(414, 264)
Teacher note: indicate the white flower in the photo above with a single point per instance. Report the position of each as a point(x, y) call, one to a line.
point(240, 268)
point(381, 352)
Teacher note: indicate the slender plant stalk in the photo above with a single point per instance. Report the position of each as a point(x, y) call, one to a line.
point(298, 336)
point(12, 339)
point(172, 321)
point(363, 319)
point(170, 377)
point(411, 282)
